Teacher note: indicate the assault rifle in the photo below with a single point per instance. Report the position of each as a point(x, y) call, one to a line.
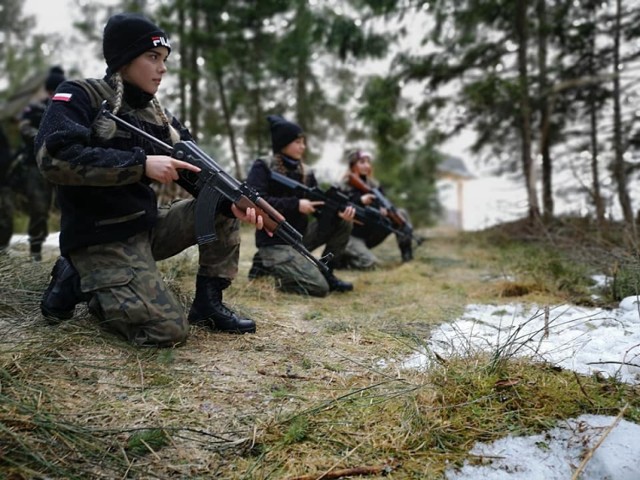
point(383, 202)
point(335, 201)
point(214, 184)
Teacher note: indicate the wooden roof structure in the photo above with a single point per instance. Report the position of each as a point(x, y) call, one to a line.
point(455, 170)
point(31, 90)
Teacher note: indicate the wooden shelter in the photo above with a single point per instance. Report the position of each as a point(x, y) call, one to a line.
point(30, 91)
point(454, 171)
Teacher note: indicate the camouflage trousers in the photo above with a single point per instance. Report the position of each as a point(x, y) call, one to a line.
point(39, 193)
point(293, 272)
point(6, 216)
point(358, 254)
point(129, 295)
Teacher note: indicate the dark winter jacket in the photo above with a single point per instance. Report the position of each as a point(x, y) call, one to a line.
point(103, 192)
point(279, 197)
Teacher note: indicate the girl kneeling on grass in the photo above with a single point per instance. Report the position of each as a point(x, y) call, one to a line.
point(112, 231)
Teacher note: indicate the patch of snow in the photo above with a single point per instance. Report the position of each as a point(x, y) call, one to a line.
point(586, 340)
point(52, 241)
point(556, 454)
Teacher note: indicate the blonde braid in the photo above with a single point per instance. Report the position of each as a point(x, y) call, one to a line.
point(160, 111)
point(119, 84)
point(105, 127)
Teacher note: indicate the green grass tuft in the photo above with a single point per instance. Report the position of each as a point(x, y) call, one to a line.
point(147, 441)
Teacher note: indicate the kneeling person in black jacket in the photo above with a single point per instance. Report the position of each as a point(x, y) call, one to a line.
point(112, 231)
point(274, 257)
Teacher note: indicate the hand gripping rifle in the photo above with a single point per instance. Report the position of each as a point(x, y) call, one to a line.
point(214, 184)
point(392, 213)
point(335, 201)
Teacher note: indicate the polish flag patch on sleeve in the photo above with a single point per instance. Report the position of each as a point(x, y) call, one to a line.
point(61, 97)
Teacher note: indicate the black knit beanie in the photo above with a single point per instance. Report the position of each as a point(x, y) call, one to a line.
point(283, 132)
point(127, 35)
point(54, 78)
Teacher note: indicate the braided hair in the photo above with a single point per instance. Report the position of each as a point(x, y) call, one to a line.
point(106, 128)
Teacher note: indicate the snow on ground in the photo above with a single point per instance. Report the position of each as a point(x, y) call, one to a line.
point(586, 340)
point(556, 454)
point(23, 239)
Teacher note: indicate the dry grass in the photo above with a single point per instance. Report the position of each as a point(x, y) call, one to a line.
point(304, 395)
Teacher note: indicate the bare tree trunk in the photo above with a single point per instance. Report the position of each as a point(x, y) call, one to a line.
point(194, 71)
point(598, 201)
point(227, 122)
point(304, 116)
point(257, 91)
point(302, 69)
point(618, 167)
point(545, 113)
point(182, 80)
point(525, 110)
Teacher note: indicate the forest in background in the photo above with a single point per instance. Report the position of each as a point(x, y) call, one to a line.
point(547, 86)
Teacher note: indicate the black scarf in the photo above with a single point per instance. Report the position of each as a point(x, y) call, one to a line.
point(136, 97)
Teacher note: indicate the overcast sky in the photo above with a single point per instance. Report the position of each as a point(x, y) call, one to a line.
point(51, 15)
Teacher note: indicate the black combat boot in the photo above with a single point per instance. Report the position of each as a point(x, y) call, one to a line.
point(257, 269)
point(208, 310)
point(63, 293)
point(36, 256)
point(337, 285)
point(406, 251)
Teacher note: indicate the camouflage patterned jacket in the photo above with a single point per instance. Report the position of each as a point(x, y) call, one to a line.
point(103, 192)
point(29, 124)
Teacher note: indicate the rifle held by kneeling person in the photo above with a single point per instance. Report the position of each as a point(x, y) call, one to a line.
point(383, 202)
point(335, 201)
point(214, 184)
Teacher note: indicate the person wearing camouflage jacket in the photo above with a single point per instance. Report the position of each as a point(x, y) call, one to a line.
point(6, 195)
point(37, 190)
point(112, 231)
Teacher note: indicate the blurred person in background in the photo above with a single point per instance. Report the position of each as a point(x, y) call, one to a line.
point(6, 194)
point(358, 254)
point(37, 190)
point(294, 273)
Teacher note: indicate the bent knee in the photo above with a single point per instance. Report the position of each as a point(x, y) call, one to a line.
point(161, 334)
point(319, 288)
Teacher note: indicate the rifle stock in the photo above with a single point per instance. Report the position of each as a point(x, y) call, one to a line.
point(214, 184)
